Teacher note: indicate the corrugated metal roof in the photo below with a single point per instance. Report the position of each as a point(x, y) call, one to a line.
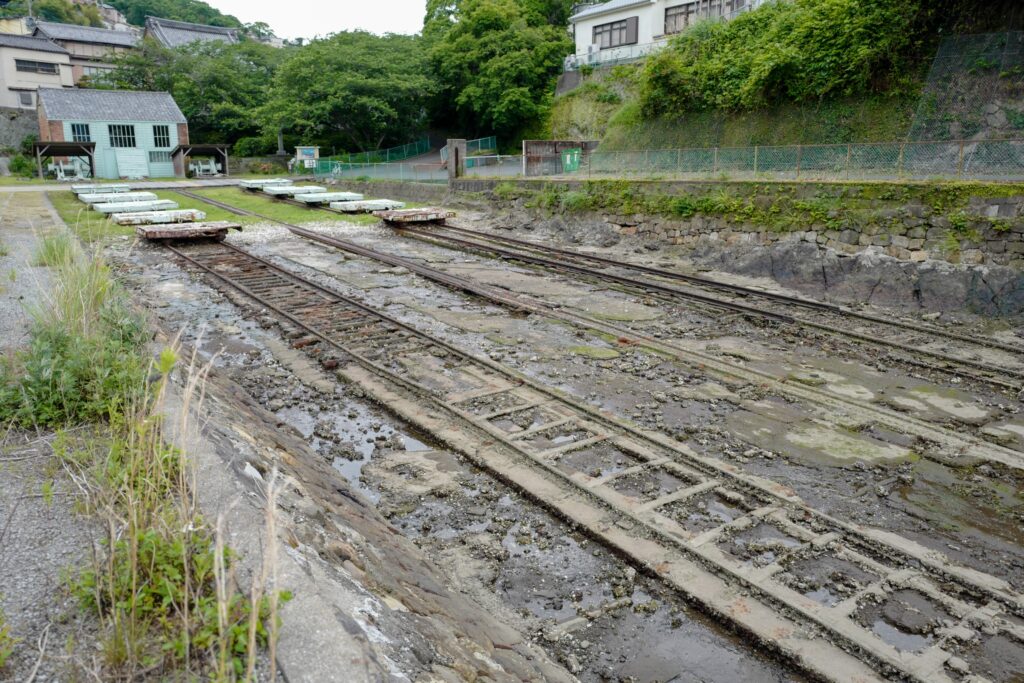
point(72, 104)
point(609, 6)
point(30, 43)
point(177, 33)
point(86, 34)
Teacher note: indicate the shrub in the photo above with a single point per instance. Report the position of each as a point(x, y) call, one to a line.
point(799, 51)
point(55, 250)
point(22, 166)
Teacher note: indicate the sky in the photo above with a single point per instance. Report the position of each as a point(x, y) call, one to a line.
point(309, 18)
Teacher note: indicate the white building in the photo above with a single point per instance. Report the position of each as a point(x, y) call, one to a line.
point(624, 30)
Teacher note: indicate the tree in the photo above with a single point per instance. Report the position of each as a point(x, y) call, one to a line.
point(353, 89)
point(62, 11)
point(495, 61)
point(195, 11)
point(217, 86)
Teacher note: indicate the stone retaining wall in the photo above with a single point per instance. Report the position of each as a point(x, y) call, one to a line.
point(958, 223)
point(433, 193)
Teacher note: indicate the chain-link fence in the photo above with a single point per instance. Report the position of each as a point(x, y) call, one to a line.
point(389, 155)
point(965, 160)
point(477, 147)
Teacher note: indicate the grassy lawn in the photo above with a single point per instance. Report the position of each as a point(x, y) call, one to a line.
point(213, 213)
point(89, 225)
point(289, 213)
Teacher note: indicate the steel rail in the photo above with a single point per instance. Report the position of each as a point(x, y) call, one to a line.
point(958, 444)
point(937, 567)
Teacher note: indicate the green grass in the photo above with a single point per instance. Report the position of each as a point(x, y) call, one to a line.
point(88, 225)
point(213, 213)
point(54, 250)
point(289, 213)
point(4, 251)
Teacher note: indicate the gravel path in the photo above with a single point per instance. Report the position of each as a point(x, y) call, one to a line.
point(23, 219)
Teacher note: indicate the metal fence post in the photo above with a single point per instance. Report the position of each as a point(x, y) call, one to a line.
point(714, 164)
point(849, 150)
point(799, 158)
point(960, 162)
point(899, 162)
point(679, 162)
point(756, 147)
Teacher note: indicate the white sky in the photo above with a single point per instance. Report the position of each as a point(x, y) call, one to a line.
point(309, 18)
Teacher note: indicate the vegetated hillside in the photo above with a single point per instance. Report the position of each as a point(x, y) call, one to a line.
point(789, 72)
point(195, 11)
point(63, 11)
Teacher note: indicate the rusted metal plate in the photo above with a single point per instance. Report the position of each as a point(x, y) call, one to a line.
point(180, 231)
point(368, 205)
point(158, 217)
point(427, 214)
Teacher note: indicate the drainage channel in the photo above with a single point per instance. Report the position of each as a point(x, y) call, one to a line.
point(672, 511)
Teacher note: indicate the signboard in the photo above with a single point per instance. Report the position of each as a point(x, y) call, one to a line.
point(310, 163)
point(307, 153)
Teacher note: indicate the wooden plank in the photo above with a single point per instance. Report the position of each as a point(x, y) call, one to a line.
point(292, 190)
point(132, 207)
point(260, 183)
point(177, 231)
point(116, 197)
point(428, 214)
point(93, 189)
point(325, 197)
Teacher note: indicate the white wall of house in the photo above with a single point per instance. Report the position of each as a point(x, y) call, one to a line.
point(650, 21)
point(18, 87)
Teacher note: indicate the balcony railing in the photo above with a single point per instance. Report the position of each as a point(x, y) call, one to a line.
point(613, 55)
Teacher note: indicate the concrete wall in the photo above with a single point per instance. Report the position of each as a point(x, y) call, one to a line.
point(433, 193)
point(14, 81)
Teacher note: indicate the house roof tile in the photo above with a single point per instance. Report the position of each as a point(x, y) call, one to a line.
point(177, 33)
point(30, 43)
point(66, 104)
point(86, 34)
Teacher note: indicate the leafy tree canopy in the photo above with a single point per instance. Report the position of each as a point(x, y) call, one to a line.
point(195, 11)
point(495, 61)
point(354, 90)
point(217, 86)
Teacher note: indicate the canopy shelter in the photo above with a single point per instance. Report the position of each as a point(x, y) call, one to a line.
point(51, 150)
point(182, 153)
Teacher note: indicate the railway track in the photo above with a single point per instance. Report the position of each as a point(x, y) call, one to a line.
point(914, 340)
point(743, 548)
point(941, 443)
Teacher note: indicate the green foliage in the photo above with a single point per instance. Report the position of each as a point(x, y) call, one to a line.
point(218, 86)
point(62, 11)
point(195, 11)
point(144, 582)
point(7, 641)
point(354, 89)
point(495, 62)
point(84, 354)
point(799, 51)
point(21, 165)
point(55, 249)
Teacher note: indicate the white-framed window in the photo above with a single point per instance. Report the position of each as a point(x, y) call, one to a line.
point(679, 17)
point(162, 136)
point(25, 99)
point(122, 135)
point(29, 66)
point(616, 33)
point(80, 132)
point(157, 157)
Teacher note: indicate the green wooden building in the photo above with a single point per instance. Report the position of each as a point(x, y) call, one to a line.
point(132, 134)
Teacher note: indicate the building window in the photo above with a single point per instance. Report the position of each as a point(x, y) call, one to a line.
point(122, 135)
point(80, 132)
point(159, 157)
point(94, 70)
point(25, 98)
point(616, 33)
point(679, 17)
point(31, 67)
point(161, 136)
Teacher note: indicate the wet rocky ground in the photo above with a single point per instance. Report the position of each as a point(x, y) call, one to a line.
point(585, 606)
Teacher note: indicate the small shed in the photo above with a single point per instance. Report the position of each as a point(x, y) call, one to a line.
point(133, 133)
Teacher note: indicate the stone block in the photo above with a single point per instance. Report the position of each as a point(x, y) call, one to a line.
point(849, 236)
point(918, 232)
point(918, 256)
point(995, 246)
point(900, 241)
point(881, 240)
point(914, 243)
point(1015, 247)
point(972, 256)
point(865, 239)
